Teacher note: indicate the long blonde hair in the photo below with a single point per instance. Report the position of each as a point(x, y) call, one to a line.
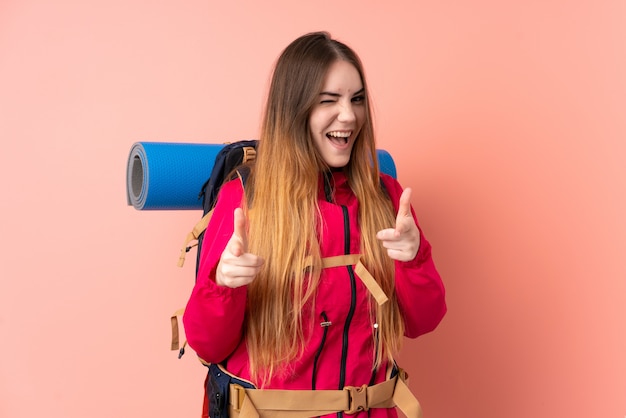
point(284, 217)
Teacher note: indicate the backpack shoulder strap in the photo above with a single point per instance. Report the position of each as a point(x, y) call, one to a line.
point(202, 224)
point(198, 229)
point(192, 236)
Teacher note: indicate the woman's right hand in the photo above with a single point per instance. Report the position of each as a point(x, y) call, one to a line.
point(237, 267)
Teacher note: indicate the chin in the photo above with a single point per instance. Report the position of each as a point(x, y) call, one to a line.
point(338, 164)
point(337, 161)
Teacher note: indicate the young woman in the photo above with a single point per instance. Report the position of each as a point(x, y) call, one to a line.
point(312, 273)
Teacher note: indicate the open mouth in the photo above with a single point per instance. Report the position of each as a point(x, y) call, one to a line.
point(339, 138)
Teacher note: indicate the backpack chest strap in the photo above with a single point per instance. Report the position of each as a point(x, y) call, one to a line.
point(327, 262)
point(368, 280)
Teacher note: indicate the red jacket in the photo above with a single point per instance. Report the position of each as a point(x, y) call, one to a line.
point(214, 315)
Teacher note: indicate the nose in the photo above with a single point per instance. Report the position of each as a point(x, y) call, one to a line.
point(346, 113)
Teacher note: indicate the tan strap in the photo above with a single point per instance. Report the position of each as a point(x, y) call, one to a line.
point(327, 262)
point(175, 334)
point(366, 277)
point(193, 235)
point(249, 154)
point(266, 403)
point(371, 284)
point(340, 260)
point(406, 401)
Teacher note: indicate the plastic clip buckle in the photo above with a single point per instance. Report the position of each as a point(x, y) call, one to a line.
point(358, 399)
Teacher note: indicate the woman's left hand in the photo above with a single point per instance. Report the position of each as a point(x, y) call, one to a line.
point(403, 241)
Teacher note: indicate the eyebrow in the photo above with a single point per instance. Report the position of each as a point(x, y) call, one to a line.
point(328, 93)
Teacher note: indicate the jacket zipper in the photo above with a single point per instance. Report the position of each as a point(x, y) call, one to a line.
point(324, 324)
point(346, 328)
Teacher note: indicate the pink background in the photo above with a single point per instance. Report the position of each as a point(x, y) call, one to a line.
point(506, 118)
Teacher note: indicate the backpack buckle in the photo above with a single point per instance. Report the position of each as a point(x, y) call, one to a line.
point(357, 399)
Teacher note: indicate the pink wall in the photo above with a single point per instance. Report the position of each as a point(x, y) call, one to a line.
point(506, 118)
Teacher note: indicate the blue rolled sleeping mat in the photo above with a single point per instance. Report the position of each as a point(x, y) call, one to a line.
point(170, 175)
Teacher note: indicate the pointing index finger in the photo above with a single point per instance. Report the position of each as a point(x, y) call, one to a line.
point(404, 209)
point(240, 228)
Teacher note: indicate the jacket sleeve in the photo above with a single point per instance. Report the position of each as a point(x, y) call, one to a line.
point(214, 315)
point(419, 288)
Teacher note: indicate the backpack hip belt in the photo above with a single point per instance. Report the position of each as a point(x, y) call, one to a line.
point(266, 403)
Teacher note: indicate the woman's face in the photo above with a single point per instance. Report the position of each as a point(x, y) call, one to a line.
point(339, 114)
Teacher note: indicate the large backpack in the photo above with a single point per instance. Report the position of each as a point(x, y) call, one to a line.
point(227, 165)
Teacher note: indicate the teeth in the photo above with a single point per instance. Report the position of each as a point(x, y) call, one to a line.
point(340, 134)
